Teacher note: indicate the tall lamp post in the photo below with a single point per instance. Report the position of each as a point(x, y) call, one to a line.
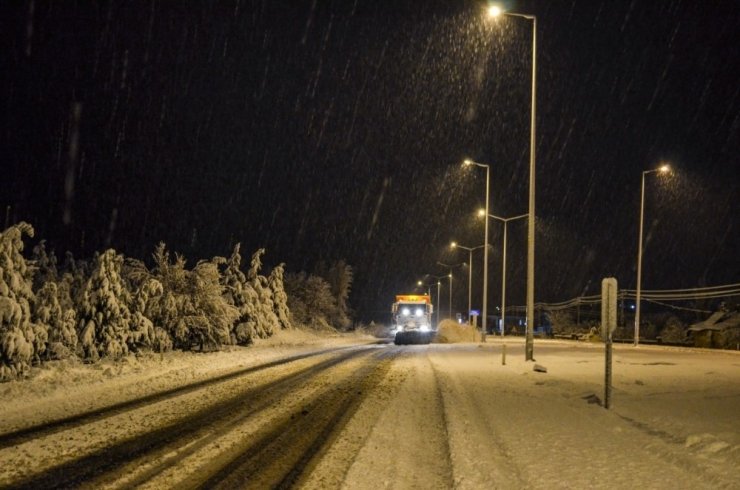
point(662, 169)
point(439, 285)
point(495, 11)
point(450, 276)
point(484, 323)
point(505, 221)
point(455, 245)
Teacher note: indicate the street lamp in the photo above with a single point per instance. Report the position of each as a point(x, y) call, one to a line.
point(663, 169)
point(454, 245)
point(503, 266)
point(450, 276)
point(439, 285)
point(468, 162)
point(493, 12)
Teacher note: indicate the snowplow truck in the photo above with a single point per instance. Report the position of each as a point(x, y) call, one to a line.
point(412, 319)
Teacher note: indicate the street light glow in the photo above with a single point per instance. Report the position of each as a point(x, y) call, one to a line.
point(494, 11)
point(665, 168)
point(481, 213)
point(467, 162)
point(453, 244)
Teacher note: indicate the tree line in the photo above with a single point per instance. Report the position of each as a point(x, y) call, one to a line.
point(112, 306)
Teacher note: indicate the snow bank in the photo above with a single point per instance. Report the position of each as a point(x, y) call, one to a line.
point(450, 332)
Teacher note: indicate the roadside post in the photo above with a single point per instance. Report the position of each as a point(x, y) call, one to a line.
point(608, 325)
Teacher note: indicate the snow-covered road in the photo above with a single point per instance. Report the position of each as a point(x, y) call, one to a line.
point(348, 412)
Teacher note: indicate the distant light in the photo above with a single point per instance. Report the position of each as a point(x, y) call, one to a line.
point(418, 283)
point(467, 161)
point(665, 168)
point(453, 244)
point(494, 11)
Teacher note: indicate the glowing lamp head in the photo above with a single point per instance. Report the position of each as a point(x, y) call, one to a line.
point(481, 213)
point(664, 169)
point(453, 245)
point(494, 11)
point(418, 283)
point(467, 162)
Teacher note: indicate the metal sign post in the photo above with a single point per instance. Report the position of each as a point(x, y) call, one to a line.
point(608, 325)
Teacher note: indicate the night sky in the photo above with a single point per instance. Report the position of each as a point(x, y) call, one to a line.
point(328, 130)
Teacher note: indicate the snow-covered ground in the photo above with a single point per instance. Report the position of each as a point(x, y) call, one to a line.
point(443, 416)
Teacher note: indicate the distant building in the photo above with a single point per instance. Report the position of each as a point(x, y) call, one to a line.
point(721, 330)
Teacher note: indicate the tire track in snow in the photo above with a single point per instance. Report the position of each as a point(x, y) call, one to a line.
point(480, 458)
point(406, 446)
point(108, 464)
point(19, 436)
point(283, 454)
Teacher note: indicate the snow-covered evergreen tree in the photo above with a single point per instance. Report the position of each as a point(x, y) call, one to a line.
point(262, 309)
point(310, 300)
point(238, 293)
point(339, 276)
point(20, 340)
point(191, 308)
point(45, 265)
point(143, 331)
point(105, 319)
point(280, 298)
point(60, 322)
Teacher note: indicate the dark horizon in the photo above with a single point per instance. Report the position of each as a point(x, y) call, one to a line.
point(335, 130)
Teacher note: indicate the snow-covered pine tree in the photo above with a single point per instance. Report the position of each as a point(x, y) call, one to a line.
point(310, 300)
point(280, 298)
point(19, 338)
point(44, 264)
point(339, 276)
point(212, 318)
point(237, 292)
point(191, 308)
point(105, 319)
point(143, 331)
point(60, 322)
point(261, 307)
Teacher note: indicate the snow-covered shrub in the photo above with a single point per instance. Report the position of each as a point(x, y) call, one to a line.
point(20, 340)
point(105, 319)
point(562, 323)
point(674, 331)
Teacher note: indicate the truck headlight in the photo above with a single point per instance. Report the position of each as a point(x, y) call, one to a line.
point(405, 312)
point(419, 312)
point(424, 328)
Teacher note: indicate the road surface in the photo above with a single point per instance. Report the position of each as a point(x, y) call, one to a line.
point(376, 415)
